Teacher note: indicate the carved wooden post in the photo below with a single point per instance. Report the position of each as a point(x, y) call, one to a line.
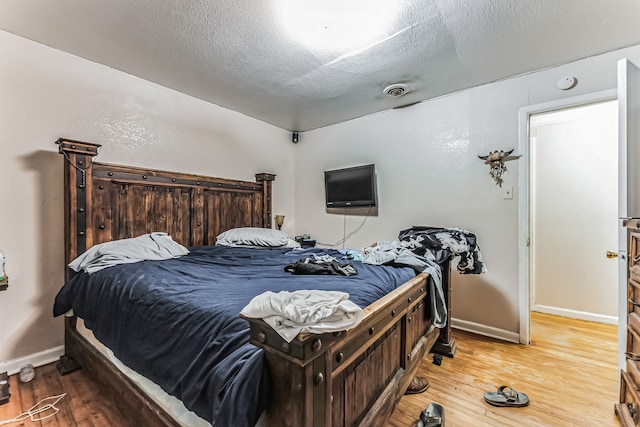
point(77, 182)
point(266, 179)
point(301, 372)
point(77, 176)
point(446, 344)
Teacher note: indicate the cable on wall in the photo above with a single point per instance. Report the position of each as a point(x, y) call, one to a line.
point(345, 236)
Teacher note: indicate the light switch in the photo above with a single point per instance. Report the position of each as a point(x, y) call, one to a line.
point(507, 192)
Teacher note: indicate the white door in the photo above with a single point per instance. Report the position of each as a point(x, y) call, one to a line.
point(573, 170)
point(629, 176)
point(524, 223)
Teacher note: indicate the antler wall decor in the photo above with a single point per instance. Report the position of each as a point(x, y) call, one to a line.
point(495, 160)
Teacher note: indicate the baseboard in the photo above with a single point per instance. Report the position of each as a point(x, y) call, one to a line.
point(575, 314)
point(36, 359)
point(484, 330)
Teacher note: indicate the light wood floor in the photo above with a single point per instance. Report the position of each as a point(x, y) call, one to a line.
point(84, 406)
point(569, 373)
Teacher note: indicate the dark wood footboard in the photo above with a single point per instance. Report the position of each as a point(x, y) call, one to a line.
point(353, 378)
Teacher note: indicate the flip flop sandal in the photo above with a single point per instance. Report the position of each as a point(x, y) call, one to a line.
point(506, 396)
point(433, 416)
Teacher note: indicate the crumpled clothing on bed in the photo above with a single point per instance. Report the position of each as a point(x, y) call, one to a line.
point(290, 313)
point(321, 264)
point(153, 246)
point(442, 244)
point(393, 253)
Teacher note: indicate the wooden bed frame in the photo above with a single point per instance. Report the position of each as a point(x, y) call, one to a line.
point(341, 379)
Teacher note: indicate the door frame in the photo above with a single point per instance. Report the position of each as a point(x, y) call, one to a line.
point(524, 214)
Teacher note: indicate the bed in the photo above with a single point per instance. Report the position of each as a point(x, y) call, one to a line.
point(340, 379)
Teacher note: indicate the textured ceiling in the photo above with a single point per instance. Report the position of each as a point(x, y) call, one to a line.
point(301, 69)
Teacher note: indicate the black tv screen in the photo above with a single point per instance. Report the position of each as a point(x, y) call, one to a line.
point(350, 187)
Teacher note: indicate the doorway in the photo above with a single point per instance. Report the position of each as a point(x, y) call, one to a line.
point(573, 167)
point(568, 209)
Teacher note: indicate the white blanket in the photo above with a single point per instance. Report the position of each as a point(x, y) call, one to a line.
point(154, 246)
point(290, 313)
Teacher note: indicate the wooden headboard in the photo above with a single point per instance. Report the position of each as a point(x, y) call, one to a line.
point(106, 202)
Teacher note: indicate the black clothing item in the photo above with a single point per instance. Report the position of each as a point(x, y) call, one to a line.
point(442, 244)
point(313, 266)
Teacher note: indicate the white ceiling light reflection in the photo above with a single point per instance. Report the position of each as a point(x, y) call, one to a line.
point(336, 25)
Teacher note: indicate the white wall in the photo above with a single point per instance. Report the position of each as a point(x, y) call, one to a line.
point(426, 159)
point(574, 208)
point(46, 94)
point(429, 173)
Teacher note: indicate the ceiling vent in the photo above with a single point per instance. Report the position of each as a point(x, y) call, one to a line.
point(396, 90)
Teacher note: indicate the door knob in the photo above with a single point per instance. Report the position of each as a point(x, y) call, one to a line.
point(612, 254)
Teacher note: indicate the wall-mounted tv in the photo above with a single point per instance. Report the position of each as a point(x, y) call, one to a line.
point(350, 187)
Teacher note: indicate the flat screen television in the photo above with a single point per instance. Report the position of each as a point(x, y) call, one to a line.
point(350, 187)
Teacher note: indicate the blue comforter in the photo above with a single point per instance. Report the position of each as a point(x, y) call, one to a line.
point(176, 321)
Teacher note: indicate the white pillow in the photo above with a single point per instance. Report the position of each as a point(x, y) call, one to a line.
point(252, 236)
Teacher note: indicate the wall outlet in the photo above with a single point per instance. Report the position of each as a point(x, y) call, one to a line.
point(507, 192)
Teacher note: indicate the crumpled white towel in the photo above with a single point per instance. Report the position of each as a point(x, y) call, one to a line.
point(290, 313)
point(153, 246)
